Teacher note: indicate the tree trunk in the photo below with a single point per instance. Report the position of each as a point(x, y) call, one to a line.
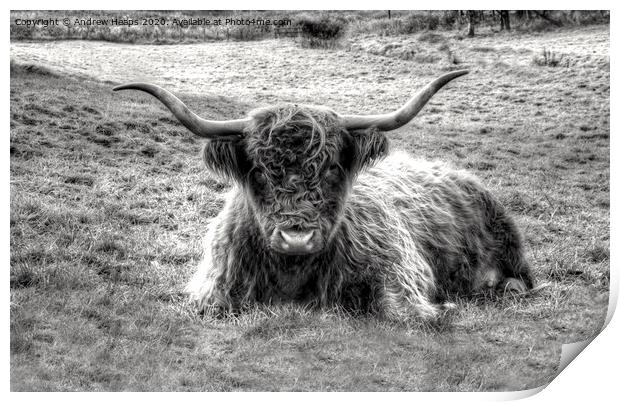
point(504, 20)
point(470, 23)
point(543, 15)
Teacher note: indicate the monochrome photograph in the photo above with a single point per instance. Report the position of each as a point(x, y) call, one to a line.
point(298, 200)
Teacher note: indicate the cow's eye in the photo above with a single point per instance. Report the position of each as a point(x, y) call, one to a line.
point(334, 170)
point(333, 174)
point(259, 178)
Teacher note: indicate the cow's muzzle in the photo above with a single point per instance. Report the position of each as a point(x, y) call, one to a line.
point(297, 242)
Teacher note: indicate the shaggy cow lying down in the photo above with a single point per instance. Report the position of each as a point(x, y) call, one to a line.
point(321, 213)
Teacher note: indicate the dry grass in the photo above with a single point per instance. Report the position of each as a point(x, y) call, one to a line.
point(109, 200)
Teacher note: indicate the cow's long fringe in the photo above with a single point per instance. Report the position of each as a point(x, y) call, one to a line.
point(318, 127)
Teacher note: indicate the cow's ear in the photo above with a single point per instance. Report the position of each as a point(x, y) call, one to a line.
point(226, 159)
point(363, 148)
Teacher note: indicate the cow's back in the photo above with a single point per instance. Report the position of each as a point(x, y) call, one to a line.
point(407, 206)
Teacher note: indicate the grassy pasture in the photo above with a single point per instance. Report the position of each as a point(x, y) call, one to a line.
point(109, 201)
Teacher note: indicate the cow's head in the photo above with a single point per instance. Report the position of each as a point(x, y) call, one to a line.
point(295, 163)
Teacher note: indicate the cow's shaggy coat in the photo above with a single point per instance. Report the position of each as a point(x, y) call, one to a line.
point(399, 235)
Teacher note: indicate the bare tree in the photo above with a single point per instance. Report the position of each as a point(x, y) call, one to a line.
point(450, 17)
point(504, 20)
point(543, 14)
point(471, 16)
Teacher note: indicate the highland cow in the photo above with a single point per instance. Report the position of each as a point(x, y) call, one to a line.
point(321, 213)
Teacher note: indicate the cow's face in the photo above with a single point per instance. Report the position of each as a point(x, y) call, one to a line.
point(296, 165)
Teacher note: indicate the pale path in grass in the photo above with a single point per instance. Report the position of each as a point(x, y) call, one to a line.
point(271, 71)
point(260, 72)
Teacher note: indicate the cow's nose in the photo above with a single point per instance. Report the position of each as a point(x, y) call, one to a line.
point(297, 241)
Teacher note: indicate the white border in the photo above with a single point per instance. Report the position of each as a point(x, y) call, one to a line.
point(594, 373)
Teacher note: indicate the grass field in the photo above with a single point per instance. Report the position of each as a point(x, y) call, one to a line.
point(109, 202)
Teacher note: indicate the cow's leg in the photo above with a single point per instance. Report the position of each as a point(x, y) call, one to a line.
point(398, 306)
point(206, 288)
point(408, 290)
point(506, 248)
point(510, 258)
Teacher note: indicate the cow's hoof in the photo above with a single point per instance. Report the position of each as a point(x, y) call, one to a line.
point(513, 285)
point(487, 280)
point(447, 306)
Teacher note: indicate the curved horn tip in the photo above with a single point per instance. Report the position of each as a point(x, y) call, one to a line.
point(197, 125)
point(457, 73)
point(402, 116)
point(122, 87)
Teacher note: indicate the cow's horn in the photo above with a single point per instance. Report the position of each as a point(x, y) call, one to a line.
point(402, 116)
point(224, 130)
